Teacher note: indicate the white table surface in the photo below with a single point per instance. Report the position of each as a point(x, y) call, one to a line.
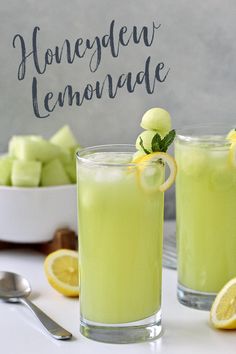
point(185, 330)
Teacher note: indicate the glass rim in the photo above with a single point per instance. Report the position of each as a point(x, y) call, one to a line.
point(194, 133)
point(82, 155)
point(204, 139)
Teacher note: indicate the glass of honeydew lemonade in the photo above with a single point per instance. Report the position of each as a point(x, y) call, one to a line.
point(120, 208)
point(206, 214)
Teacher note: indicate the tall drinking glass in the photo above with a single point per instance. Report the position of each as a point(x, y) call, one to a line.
point(120, 247)
point(206, 215)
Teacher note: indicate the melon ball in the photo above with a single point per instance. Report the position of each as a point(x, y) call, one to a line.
point(157, 119)
point(147, 137)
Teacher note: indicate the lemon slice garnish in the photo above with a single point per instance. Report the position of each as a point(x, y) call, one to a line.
point(61, 269)
point(232, 135)
point(151, 171)
point(223, 310)
point(137, 156)
point(232, 154)
point(232, 151)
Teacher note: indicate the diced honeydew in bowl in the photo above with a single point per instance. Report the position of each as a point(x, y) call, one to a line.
point(54, 174)
point(5, 170)
point(64, 138)
point(37, 187)
point(33, 161)
point(26, 173)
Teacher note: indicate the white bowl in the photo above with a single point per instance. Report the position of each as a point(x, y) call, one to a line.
point(31, 215)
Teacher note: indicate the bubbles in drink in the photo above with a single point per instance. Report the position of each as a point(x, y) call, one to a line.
point(192, 160)
point(105, 167)
point(110, 158)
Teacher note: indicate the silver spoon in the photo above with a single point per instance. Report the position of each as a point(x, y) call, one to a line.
point(15, 288)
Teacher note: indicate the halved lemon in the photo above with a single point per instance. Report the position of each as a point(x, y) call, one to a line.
point(61, 269)
point(223, 310)
point(151, 171)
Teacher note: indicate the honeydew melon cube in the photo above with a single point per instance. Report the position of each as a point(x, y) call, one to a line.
point(64, 138)
point(36, 150)
point(15, 141)
point(74, 150)
point(54, 174)
point(157, 119)
point(26, 173)
point(71, 171)
point(5, 171)
point(65, 155)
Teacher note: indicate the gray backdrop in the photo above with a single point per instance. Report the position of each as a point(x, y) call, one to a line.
point(196, 40)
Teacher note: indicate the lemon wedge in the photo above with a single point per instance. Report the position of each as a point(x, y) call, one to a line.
point(223, 310)
point(61, 269)
point(151, 171)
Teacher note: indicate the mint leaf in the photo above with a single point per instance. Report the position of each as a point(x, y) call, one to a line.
point(142, 146)
point(159, 144)
point(168, 140)
point(156, 143)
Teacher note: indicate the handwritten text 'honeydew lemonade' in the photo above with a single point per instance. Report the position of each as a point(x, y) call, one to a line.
point(92, 50)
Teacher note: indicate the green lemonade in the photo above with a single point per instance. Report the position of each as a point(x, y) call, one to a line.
point(120, 241)
point(206, 215)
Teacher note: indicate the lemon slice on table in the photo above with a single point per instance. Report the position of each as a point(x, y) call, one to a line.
point(61, 269)
point(223, 310)
point(151, 172)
